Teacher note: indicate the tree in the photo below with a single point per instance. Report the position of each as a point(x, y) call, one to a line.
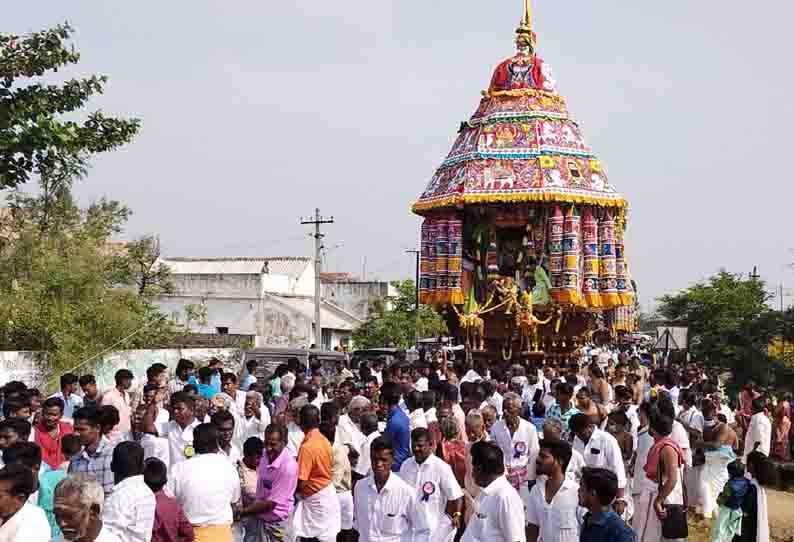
point(140, 265)
point(730, 323)
point(393, 321)
point(65, 287)
point(61, 290)
point(35, 137)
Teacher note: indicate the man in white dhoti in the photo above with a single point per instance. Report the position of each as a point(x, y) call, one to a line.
point(760, 431)
point(317, 513)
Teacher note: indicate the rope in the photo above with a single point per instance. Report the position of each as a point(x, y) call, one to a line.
point(113, 346)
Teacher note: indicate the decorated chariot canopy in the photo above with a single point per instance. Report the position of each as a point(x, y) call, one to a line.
point(521, 204)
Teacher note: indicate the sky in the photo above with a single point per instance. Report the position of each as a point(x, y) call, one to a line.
point(255, 113)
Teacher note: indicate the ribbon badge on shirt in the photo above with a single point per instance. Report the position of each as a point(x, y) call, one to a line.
point(189, 452)
point(428, 488)
point(520, 449)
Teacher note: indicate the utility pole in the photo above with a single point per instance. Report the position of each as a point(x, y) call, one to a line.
point(416, 253)
point(317, 220)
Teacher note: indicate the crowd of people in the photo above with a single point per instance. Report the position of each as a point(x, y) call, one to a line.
point(601, 448)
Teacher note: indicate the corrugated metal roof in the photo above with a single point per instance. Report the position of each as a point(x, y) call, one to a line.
point(331, 318)
point(291, 266)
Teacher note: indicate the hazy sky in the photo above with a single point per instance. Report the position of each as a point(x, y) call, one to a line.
point(254, 113)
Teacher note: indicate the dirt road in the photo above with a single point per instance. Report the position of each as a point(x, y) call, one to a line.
point(780, 506)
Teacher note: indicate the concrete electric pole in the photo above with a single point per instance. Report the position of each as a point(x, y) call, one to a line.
point(317, 220)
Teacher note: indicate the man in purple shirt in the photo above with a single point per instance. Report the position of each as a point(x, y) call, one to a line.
point(275, 488)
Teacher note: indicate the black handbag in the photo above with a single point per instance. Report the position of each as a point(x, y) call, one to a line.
point(699, 457)
point(674, 525)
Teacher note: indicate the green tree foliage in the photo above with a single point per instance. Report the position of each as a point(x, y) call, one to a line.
point(70, 291)
point(65, 287)
point(43, 130)
point(392, 320)
point(730, 323)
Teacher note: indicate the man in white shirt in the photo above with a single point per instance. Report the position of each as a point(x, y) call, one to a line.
point(438, 499)
point(383, 502)
point(416, 414)
point(499, 513)
point(129, 512)
point(369, 427)
point(600, 450)
point(477, 373)
point(294, 432)
point(20, 520)
point(224, 421)
point(179, 431)
point(759, 433)
point(230, 389)
point(205, 486)
point(553, 429)
point(68, 394)
point(518, 440)
point(347, 430)
point(421, 372)
point(554, 500)
point(252, 421)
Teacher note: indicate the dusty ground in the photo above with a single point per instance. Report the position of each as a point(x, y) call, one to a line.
point(781, 519)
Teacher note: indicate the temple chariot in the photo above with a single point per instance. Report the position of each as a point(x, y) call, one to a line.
point(522, 243)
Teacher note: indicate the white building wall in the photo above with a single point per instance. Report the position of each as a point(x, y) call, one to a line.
point(225, 285)
point(239, 315)
point(305, 283)
point(354, 297)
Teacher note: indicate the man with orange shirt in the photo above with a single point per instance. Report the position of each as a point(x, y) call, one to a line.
point(317, 515)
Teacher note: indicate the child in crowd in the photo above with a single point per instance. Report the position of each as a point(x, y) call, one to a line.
point(538, 415)
point(729, 520)
point(253, 448)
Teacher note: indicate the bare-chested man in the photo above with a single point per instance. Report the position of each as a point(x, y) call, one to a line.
point(584, 402)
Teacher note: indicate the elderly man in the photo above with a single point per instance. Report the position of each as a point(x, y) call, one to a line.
point(79, 501)
point(348, 432)
point(518, 440)
point(282, 403)
point(475, 430)
point(253, 420)
point(295, 434)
